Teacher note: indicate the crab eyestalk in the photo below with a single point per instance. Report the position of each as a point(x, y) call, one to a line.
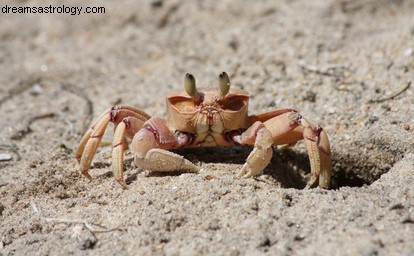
point(190, 87)
point(224, 82)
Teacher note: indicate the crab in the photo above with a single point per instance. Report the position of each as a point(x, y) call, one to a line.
point(205, 117)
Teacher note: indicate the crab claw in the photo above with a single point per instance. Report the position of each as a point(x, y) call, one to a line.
point(262, 152)
point(150, 145)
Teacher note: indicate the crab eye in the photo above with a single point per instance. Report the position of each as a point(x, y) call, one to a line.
point(224, 82)
point(190, 84)
point(190, 87)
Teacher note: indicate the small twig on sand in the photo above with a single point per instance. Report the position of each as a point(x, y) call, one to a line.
point(20, 88)
point(81, 94)
point(391, 96)
point(87, 225)
point(13, 148)
point(23, 132)
point(326, 71)
point(34, 207)
point(165, 18)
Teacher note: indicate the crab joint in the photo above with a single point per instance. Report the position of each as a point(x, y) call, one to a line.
point(190, 87)
point(224, 82)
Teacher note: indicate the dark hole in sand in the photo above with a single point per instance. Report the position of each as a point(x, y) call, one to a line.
point(288, 167)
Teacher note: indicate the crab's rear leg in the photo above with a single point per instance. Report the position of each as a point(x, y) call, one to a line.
point(292, 127)
point(287, 129)
point(151, 145)
point(317, 144)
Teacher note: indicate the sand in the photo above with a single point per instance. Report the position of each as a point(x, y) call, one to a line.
point(345, 65)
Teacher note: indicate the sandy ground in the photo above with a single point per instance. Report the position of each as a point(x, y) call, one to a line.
point(344, 64)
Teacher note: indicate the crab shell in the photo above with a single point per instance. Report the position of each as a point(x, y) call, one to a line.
point(211, 118)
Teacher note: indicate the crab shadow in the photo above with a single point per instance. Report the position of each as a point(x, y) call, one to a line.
point(288, 168)
point(131, 177)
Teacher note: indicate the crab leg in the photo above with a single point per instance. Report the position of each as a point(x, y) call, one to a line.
point(318, 147)
point(151, 144)
point(290, 127)
point(129, 125)
point(90, 141)
point(114, 114)
point(87, 135)
point(286, 129)
point(267, 115)
point(262, 152)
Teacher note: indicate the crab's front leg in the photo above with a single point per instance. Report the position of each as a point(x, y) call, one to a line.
point(259, 136)
point(151, 145)
point(287, 129)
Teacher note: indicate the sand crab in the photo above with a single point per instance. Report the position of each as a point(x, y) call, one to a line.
point(206, 118)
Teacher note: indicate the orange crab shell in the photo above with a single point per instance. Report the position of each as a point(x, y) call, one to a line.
point(183, 113)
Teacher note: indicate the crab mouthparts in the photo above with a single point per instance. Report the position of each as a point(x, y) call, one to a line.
point(209, 112)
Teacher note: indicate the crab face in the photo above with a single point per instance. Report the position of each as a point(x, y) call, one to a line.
point(208, 111)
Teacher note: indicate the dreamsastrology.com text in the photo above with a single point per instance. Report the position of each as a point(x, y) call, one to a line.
point(74, 10)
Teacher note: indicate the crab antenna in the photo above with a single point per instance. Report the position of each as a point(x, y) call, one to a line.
point(224, 82)
point(190, 87)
